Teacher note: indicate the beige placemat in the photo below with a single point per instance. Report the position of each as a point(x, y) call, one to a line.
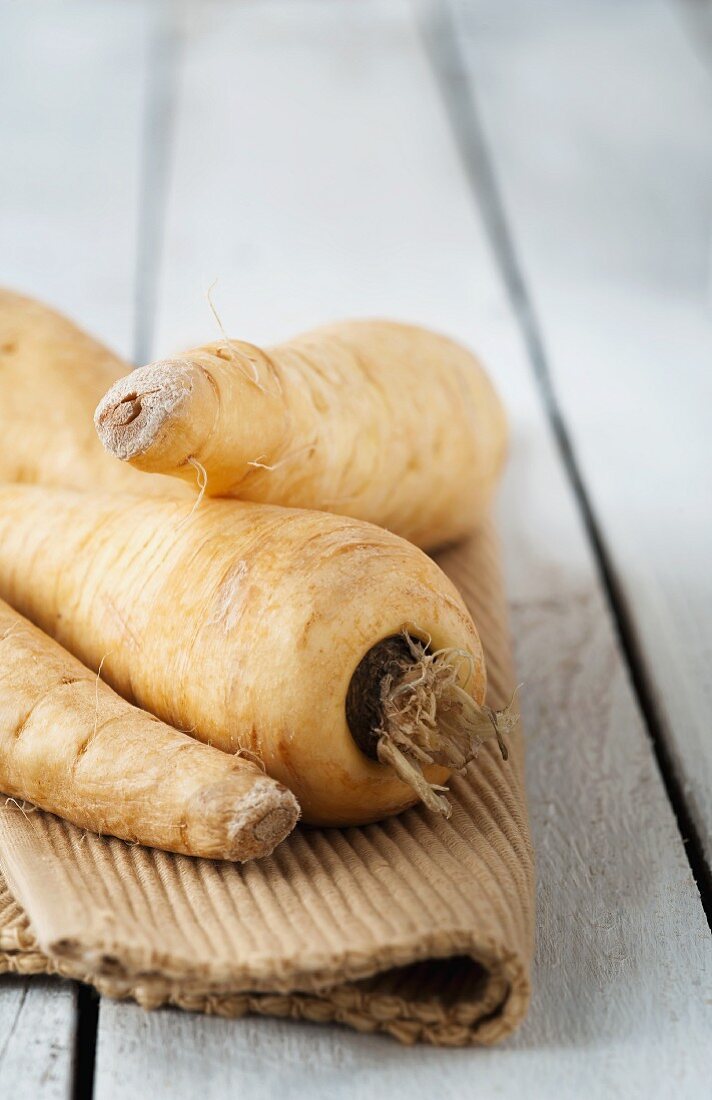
point(418, 927)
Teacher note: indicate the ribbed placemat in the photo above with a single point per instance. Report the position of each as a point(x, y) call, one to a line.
point(417, 926)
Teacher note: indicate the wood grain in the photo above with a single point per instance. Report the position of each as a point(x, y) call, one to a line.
point(36, 1037)
point(598, 117)
point(315, 175)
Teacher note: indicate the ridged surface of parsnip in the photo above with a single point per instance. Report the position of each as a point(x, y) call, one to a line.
point(386, 422)
point(239, 622)
point(72, 746)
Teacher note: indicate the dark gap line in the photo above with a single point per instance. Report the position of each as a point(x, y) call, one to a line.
point(156, 155)
point(85, 1037)
point(7, 1038)
point(443, 50)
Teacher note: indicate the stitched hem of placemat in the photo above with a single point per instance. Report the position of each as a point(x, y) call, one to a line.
point(487, 1020)
point(341, 1005)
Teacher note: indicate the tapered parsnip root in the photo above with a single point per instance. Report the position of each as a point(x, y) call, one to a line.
point(384, 422)
point(407, 707)
point(245, 623)
point(70, 745)
point(51, 376)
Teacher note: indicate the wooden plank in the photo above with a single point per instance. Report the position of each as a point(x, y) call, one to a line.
point(598, 117)
point(315, 176)
point(73, 79)
point(258, 1059)
point(36, 1037)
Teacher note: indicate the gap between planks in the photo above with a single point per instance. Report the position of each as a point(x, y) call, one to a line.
point(85, 1038)
point(444, 51)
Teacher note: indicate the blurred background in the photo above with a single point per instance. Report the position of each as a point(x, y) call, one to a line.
point(533, 177)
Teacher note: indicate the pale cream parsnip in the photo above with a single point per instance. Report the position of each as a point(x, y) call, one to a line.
point(72, 746)
point(385, 422)
point(51, 376)
point(245, 625)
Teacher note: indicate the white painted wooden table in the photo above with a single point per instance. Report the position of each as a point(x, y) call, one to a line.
point(535, 178)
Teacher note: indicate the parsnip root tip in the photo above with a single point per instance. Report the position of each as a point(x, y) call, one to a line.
point(262, 820)
point(157, 414)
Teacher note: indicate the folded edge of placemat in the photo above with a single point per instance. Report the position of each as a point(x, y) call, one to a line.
point(419, 927)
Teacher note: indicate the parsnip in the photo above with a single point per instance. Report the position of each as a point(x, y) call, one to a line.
point(385, 422)
point(51, 376)
point(256, 627)
point(70, 745)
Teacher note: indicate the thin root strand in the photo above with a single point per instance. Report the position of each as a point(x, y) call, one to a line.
point(202, 476)
point(253, 377)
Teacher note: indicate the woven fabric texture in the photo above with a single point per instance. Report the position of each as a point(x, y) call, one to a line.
point(418, 927)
